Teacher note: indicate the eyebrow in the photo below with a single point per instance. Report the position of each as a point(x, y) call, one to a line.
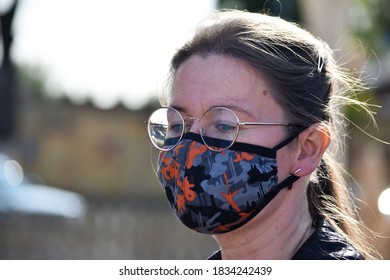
point(235, 108)
point(179, 108)
point(229, 106)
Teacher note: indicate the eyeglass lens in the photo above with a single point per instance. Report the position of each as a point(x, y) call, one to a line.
point(218, 128)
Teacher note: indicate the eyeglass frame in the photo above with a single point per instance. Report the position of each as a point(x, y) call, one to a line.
point(238, 125)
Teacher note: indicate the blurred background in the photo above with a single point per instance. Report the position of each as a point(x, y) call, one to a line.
point(77, 80)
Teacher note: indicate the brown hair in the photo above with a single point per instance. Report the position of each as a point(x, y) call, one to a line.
point(309, 86)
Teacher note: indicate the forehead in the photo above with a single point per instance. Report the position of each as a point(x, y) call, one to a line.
point(215, 80)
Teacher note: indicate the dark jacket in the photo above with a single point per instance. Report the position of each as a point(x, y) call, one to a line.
point(324, 244)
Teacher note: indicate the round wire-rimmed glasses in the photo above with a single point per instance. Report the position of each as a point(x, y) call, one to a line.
point(218, 127)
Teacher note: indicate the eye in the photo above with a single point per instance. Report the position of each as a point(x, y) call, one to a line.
point(225, 127)
point(176, 128)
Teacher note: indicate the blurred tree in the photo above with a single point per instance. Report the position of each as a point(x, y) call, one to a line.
point(7, 75)
point(287, 9)
point(370, 23)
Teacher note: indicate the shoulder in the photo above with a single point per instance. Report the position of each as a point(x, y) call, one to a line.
point(327, 244)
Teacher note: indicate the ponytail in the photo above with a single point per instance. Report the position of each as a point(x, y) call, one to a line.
point(329, 202)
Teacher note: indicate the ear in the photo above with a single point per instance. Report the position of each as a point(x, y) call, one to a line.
point(312, 144)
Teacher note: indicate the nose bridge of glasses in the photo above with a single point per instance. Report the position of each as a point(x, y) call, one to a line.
point(191, 124)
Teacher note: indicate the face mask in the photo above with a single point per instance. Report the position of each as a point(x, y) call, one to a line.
point(217, 192)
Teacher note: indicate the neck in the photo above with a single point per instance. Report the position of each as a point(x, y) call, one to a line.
point(277, 232)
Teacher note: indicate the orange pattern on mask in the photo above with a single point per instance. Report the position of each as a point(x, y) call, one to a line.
point(188, 194)
point(170, 170)
point(243, 156)
point(229, 196)
point(226, 227)
point(170, 167)
point(194, 152)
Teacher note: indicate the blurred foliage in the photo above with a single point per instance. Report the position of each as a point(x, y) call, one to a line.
point(33, 78)
point(286, 9)
point(359, 115)
point(370, 23)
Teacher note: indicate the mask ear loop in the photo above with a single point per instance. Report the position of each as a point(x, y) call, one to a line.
point(292, 175)
point(288, 182)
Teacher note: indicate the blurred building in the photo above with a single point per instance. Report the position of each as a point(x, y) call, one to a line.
point(86, 149)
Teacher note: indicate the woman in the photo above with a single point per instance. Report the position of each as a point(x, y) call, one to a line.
point(250, 141)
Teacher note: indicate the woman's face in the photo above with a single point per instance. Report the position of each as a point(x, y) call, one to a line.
point(201, 83)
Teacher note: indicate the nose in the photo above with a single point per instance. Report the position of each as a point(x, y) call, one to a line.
point(192, 125)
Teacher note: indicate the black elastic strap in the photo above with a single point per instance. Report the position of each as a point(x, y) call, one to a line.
point(286, 183)
point(285, 142)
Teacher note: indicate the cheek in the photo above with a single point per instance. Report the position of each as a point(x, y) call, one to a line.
point(266, 136)
point(284, 159)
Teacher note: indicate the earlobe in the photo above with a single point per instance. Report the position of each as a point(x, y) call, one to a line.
point(313, 143)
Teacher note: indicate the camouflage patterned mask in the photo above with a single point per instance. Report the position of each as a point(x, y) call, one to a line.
point(217, 192)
